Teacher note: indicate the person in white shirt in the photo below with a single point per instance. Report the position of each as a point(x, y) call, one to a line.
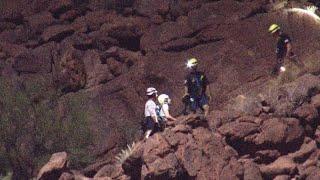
point(150, 111)
point(164, 114)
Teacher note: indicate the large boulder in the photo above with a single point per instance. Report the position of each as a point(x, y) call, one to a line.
point(285, 98)
point(110, 171)
point(153, 7)
point(97, 72)
point(252, 172)
point(39, 22)
point(54, 168)
point(282, 165)
point(314, 175)
point(315, 101)
point(237, 131)
point(280, 133)
point(71, 71)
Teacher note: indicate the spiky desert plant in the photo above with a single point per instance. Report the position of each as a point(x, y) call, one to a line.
point(125, 153)
point(312, 8)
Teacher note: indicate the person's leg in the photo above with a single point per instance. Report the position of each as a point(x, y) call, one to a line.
point(298, 62)
point(150, 127)
point(206, 110)
point(193, 105)
point(204, 103)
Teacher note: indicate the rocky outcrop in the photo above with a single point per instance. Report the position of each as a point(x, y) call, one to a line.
point(54, 168)
point(240, 146)
point(227, 145)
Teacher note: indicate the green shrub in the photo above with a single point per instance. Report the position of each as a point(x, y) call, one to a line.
point(23, 118)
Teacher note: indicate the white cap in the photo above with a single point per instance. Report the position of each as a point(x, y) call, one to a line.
point(282, 69)
point(151, 91)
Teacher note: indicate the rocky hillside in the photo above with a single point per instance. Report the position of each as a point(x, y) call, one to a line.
point(274, 135)
point(74, 72)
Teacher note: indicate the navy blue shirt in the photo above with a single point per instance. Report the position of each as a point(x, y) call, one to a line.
point(197, 83)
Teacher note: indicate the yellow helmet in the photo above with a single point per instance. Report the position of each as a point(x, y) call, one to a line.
point(163, 98)
point(274, 28)
point(192, 62)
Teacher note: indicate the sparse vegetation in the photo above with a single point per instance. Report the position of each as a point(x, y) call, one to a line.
point(32, 130)
point(125, 153)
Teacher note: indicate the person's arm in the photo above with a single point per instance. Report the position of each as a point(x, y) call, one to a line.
point(168, 116)
point(155, 119)
point(289, 49)
point(207, 90)
point(186, 90)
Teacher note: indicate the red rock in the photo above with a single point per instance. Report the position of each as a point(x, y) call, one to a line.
point(116, 68)
point(27, 63)
point(57, 32)
point(109, 171)
point(246, 105)
point(305, 151)
point(96, 18)
point(72, 76)
point(218, 118)
point(181, 128)
point(44, 54)
point(314, 175)
point(233, 170)
point(103, 178)
point(54, 167)
point(175, 139)
point(180, 44)
point(66, 176)
point(307, 112)
point(96, 72)
point(282, 165)
point(12, 50)
point(238, 130)
point(267, 155)
point(39, 22)
point(70, 15)
point(282, 177)
point(191, 158)
point(166, 168)
point(153, 7)
point(17, 36)
point(252, 172)
point(155, 147)
point(58, 6)
point(317, 135)
point(276, 132)
point(157, 19)
point(6, 26)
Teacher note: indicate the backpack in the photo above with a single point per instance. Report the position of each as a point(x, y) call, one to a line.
point(158, 112)
point(161, 119)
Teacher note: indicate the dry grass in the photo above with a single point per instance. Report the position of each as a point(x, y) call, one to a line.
point(125, 153)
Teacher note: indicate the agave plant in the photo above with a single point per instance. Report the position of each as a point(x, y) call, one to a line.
point(125, 153)
point(312, 9)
